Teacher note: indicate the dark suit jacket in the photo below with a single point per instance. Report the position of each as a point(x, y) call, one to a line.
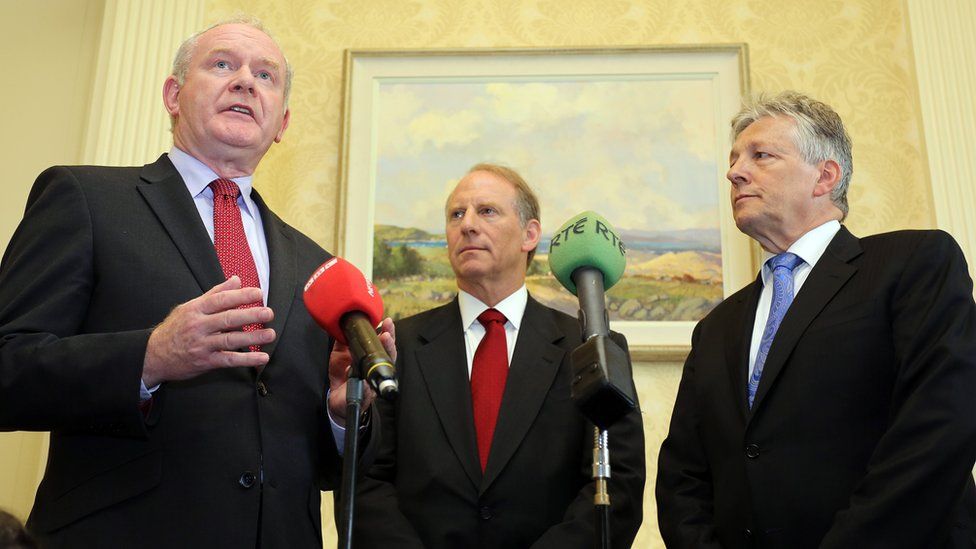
point(103, 255)
point(427, 489)
point(863, 431)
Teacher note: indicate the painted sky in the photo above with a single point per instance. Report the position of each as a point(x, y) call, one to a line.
point(640, 152)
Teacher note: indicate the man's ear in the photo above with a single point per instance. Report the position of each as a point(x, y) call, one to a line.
point(284, 125)
point(829, 177)
point(531, 235)
point(171, 96)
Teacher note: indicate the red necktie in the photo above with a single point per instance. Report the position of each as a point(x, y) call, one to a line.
point(488, 373)
point(231, 242)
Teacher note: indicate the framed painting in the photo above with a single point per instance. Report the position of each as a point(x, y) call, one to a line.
point(640, 135)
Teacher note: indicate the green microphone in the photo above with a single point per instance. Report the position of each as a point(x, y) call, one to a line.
point(587, 257)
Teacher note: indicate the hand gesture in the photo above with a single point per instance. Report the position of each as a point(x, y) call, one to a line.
point(205, 333)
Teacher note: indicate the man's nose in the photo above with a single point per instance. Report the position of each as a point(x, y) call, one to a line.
point(736, 174)
point(469, 222)
point(243, 81)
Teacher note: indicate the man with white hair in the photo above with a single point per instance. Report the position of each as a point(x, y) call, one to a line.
point(830, 403)
point(151, 318)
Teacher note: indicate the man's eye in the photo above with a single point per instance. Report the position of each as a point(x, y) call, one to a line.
point(264, 75)
point(488, 211)
point(222, 65)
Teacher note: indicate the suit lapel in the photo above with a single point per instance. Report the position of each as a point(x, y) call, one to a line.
point(831, 272)
point(164, 191)
point(738, 342)
point(282, 258)
point(533, 369)
point(442, 363)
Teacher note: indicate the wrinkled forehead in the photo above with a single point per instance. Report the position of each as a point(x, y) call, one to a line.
point(484, 183)
point(242, 39)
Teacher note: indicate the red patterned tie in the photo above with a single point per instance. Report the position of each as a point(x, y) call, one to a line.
point(231, 242)
point(488, 374)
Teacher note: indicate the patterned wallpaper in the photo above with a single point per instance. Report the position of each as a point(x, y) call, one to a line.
point(852, 54)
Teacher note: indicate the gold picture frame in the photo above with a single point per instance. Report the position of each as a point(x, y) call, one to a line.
point(701, 82)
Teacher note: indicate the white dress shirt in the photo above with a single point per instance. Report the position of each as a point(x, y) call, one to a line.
point(809, 248)
point(513, 307)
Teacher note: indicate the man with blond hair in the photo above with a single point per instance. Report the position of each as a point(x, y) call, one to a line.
point(485, 447)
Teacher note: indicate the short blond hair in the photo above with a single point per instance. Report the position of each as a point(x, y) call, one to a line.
point(526, 203)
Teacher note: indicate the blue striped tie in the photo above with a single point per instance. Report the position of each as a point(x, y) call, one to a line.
point(782, 266)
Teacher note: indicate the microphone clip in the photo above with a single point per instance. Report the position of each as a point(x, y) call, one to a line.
point(597, 364)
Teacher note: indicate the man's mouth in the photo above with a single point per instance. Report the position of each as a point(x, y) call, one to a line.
point(242, 109)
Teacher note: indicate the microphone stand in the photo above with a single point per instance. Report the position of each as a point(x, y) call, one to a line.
point(350, 455)
point(365, 359)
point(595, 363)
point(601, 498)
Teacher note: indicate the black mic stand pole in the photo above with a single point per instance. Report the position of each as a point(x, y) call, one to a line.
point(350, 454)
point(594, 322)
point(364, 360)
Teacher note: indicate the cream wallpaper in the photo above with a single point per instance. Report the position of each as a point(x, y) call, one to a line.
point(852, 54)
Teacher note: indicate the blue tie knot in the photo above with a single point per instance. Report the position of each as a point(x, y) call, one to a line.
point(785, 260)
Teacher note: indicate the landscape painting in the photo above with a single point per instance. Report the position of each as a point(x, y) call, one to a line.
point(642, 150)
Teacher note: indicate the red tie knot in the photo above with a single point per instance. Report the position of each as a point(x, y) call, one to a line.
point(489, 316)
point(225, 187)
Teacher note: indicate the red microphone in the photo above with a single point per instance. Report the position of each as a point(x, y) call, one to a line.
point(348, 306)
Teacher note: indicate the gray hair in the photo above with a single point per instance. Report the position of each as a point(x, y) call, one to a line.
point(819, 133)
point(181, 63)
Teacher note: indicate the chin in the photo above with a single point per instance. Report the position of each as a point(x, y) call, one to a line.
point(469, 271)
point(247, 137)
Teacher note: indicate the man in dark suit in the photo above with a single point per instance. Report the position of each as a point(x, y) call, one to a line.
point(830, 403)
point(187, 409)
point(458, 468)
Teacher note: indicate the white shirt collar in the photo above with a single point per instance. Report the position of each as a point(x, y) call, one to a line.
point(808, 247)
point(197, 177)
point(513, 307)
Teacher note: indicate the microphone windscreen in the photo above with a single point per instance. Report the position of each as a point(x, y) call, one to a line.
point(587, 240)
point(336, 288)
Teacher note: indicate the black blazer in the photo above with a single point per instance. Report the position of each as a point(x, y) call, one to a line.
point(427, 489)
point(863, 431)
point(222, 460)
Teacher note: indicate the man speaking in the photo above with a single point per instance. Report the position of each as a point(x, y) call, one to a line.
point(151, 318)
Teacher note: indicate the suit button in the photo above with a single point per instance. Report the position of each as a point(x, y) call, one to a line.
point(748, 533)
point(246, 480)
point(263, 389)
point(752, 451)
point(485, 513)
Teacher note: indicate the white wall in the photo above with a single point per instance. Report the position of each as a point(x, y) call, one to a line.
point(47, 51)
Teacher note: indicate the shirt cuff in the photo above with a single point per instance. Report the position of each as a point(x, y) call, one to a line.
point(145, 393)
point(339, 431)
